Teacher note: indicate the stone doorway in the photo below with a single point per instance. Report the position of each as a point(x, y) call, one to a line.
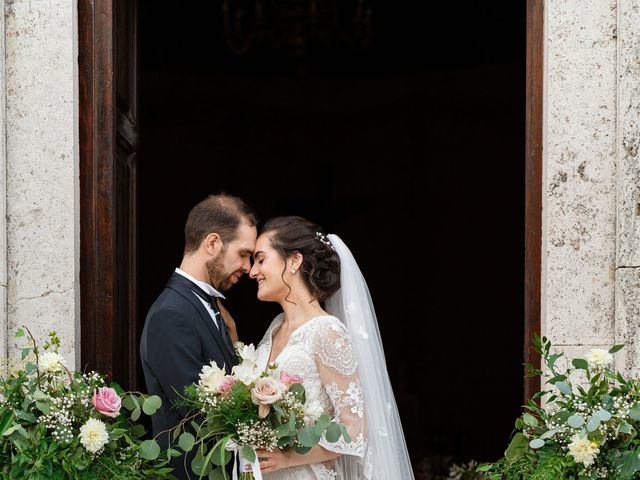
point(296, 137)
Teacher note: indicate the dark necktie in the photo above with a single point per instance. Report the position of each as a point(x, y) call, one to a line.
point(211, 300)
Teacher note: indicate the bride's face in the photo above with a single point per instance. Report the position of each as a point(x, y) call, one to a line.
point(267, 270)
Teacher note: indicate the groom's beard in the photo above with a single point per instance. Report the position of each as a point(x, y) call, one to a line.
point(219, 278)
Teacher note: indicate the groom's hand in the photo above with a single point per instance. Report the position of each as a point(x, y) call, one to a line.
point(228, 321)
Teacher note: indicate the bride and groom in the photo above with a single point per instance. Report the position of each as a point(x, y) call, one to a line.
point(327, 334)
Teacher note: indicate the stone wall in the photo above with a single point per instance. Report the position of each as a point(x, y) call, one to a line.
point(628, 156)
point(579, 204)
point(591, 206)
point(40, 117)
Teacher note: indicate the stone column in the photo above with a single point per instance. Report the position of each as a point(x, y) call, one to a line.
point(3, 198)
point(42, 171)
point(579, 204)
point(628, 148)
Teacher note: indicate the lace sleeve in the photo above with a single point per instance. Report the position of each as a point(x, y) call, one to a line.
point(336, 361)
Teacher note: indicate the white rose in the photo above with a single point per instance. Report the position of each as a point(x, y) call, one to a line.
point(51, 362)
point(248, 353)
point(313, 409)
point(246, 372)
point(211, 377)
point(583, 450)
point(93, 435)
point(599, 359)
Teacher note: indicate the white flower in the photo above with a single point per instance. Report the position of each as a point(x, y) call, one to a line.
point(93, 435)
point(583, 450)
point(51, 362)
point(1, 398)
point(599, 359)
point(247, 352)
point(211, 377)
point(246, 372)
point(313, 409)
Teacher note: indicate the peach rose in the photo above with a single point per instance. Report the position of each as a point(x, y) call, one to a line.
point(266, 392)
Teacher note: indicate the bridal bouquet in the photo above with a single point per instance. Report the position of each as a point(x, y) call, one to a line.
point(58, 424)
point(246, 410)
point(586, 430)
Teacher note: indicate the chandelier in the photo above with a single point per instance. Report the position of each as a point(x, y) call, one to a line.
point(297, 26)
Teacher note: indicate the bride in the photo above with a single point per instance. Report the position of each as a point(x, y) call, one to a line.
point(328, 335)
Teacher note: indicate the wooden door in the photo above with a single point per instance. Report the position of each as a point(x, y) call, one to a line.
point(108, 156)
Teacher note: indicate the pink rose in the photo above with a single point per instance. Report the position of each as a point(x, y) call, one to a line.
point(288, 379)
point(226, 384)
point(266, 392)
point(107, 402)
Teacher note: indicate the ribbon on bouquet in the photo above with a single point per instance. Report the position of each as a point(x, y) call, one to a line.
point(237, 452)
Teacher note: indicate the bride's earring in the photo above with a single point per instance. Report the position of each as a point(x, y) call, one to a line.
point(293, 270)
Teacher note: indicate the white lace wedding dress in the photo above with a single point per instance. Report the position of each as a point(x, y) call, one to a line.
point(321, 352)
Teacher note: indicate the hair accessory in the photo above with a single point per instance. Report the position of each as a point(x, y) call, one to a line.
point(320, 236)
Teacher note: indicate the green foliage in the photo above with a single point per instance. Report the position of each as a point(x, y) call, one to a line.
point(44, 406)
point(585, 428)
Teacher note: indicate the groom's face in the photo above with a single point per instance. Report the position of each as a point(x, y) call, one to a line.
point(234, 260)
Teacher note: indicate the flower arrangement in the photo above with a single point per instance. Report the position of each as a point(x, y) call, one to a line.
point(247, 410)
point(58, 424)
point(587, 428)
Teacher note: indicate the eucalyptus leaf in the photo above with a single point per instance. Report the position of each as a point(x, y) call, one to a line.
point(135, 415)
point(564, 388)
point(536, 443)
point(186, 441)
point(333, 432)
point(151, 404)
point(249, 454)
point(308, 437)
point(128, 403)
point(321, 424)
point(149, 450)
point(575, 421)
point(593, 424)
point(634, 413)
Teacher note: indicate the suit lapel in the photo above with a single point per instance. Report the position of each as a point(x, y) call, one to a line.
point(184, 290)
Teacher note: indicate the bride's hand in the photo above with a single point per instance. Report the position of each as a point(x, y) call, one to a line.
point(228, 321)
point(272, 461)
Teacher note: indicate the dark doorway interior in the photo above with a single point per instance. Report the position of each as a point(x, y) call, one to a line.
point(423, 130)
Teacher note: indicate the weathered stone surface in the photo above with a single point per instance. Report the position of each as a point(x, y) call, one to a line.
point(579, 225)
point(42, 166)
point(628, 135)
point(628, 320)
point(3, 202)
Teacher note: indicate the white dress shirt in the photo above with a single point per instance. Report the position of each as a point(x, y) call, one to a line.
point(208, 289)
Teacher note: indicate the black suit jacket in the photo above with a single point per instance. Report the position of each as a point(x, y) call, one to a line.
point(178, 338)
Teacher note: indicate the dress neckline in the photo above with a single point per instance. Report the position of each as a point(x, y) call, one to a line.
point(277, 324)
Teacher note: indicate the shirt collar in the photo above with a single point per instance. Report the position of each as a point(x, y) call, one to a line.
point(203, 285)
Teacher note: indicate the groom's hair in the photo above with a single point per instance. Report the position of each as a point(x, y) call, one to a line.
point(219, 213)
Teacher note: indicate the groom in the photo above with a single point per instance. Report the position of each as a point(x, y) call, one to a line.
point(184, 329)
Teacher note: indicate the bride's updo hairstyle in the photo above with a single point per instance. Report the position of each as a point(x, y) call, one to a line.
point(320, 266)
